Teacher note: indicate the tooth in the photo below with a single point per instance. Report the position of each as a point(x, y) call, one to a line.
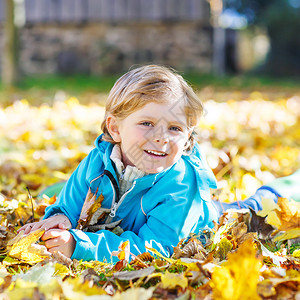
point(156, 153)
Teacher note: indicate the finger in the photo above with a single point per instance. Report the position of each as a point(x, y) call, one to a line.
point(24, 227)
point(49, 225)
point(34, 227)
point(51, 243)
point(31, 227)
point(67, 224)
point(62, 225)
point(50, 234)
point(28, 228)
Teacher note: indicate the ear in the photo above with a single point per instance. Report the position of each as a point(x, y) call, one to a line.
point(113, 128)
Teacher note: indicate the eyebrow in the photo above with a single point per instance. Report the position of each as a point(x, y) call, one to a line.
point(172, 121)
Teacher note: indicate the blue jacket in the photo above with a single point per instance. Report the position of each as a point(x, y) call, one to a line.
point(157, 211)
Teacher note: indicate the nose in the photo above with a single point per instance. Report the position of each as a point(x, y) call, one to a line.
point(161, 139)
point(160, 134)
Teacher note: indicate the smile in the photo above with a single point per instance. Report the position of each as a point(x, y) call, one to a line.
point(156, 153)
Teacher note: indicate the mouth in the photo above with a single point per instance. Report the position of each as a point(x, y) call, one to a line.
point(156, 153)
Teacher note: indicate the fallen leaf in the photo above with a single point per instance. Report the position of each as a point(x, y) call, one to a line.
point(130, 275)
point(238, 277)
point(287, 235)
point(289, 214)
point(21, 247)
point(172, 280)
point(268, 205)
point(124, 251)
point(277, 260)
point(91, 210)
point(223, 247)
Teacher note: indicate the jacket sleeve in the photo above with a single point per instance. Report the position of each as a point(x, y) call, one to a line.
point(253, 202)
point(166, 225)
point(72, 196)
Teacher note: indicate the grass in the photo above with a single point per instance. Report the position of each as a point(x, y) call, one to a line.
point(78, 83)
point(38, 89)
point(240, 81)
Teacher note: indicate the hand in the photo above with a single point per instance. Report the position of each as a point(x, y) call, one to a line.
point(59, 221)
point(59, 240)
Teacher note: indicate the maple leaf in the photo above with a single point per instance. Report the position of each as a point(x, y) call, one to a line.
point(23, 247)
point(268, 205)
point(288, 215)
point(238, 277)
point(172, 280)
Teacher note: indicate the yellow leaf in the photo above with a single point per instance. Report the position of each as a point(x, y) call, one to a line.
point(268, 205)
point(223, 248)
point(288, 215)
point(172, 280)
point(91, 213)
point(61, 270)
point(296, 253)
point(76, 288)
point(124, 251)
point(287, 235)
point(238, 277)
point(273, 219)
point(22, 248)
point(132, 293)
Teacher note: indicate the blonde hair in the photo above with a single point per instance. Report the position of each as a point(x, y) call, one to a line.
point(151, 83)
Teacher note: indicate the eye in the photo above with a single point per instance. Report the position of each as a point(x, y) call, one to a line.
point(175, 128)
point(146, 123)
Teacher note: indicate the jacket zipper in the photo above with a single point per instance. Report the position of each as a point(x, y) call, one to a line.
point(116, 205)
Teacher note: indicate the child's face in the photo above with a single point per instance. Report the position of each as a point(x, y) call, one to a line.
point(152, 138)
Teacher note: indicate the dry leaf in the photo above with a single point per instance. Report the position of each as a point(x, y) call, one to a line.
point(91, 210)
point(239, 230)
point(224, 246)
point(130, 275)
point(21, 247)
point(238, 277)
point(124, 251)
point(172, 280)
point(268, 205)
point(288, 215)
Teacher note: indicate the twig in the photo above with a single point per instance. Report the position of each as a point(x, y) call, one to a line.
point(30, 197)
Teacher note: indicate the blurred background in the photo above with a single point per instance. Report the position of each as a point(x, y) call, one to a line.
point(96, 37)
point(59, 59)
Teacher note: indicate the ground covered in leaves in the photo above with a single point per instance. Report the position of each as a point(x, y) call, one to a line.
point(246, 256)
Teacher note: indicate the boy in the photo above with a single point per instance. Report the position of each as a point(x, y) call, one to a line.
point(147, 173)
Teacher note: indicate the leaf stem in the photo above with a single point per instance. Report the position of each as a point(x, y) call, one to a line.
point(30, 197)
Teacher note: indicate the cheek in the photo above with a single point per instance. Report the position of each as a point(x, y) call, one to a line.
point(140, 135)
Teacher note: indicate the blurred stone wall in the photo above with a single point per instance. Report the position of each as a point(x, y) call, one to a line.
point(107, 48)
